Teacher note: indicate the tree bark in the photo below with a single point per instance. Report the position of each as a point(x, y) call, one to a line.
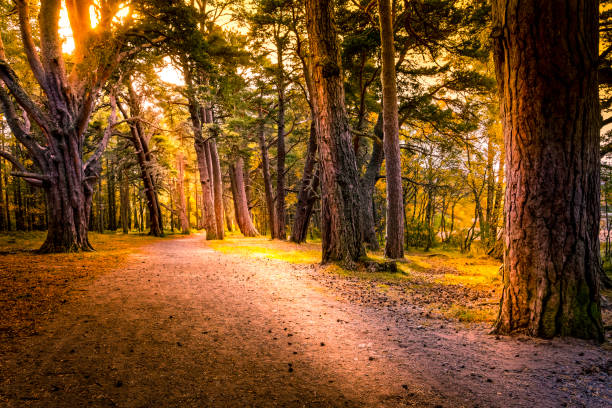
point(281, 210)
point(307, 194)
point(546, 55)
point(265, 171)
point(124, 200)
point(368, 183)
point(340, 204)
point(241, 205)
point(181, 201)
point(145, 161)
point(394, 244)
point(217, 188)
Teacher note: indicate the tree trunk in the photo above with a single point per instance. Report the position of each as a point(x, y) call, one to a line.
point(229, 220)
point(281, 210)
point(69, 199)
point(267, 180)
point(181, 201)
point(241, 205)
point(307, 195)
point(340, 204)
point(3, 223)
point(124, 199)
point(394, 244)
point(217, 187)
point(145, 161)
point(111, 196)
point(546, 55)
point(368, 183)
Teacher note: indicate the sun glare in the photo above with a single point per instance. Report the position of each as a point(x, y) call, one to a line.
point(170, 75)
point(65, 31)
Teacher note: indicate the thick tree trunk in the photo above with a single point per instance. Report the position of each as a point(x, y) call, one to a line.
point(394, 244)
point(241, 206)
point(340, 204)
point(267, 180)
point(368, 183)
point(546, 55)
point(69, 197)
point(307, 194)
point(217, 188)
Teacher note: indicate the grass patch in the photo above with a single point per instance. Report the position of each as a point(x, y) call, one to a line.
point(448, 283)
point(32, 285)
point(262, 247)
point(469, 315)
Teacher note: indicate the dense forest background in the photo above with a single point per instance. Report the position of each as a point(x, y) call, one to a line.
point(250, 75)
point(371, 124)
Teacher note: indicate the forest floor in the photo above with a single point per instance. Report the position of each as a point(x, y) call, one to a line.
point(183, 322)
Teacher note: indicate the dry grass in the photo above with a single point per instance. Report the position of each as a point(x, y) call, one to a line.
point(446, 283)
point(33, 285)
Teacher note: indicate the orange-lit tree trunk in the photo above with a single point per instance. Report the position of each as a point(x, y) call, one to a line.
point(340, 204)
point(217, 187)
point(546, 54)
point(265, 171)
point(307, 194)
point(394, 244)
point(241, 204)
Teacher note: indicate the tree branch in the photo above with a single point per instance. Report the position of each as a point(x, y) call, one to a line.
point(93, 160)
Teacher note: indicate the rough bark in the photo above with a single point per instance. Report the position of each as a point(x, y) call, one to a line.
point(68, 100)
point(308, 193)
point(241, 206)
point(340, 204)
point(546, 56)
point(394, 244)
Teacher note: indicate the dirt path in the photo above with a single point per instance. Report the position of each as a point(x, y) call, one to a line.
point(185, 326)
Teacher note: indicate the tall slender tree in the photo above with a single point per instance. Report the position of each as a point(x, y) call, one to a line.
point(394, 245)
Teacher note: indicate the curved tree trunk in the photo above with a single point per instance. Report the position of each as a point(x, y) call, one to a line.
point(546, 56)
point(394, 243)
point(241, 205)
point(340, 204)
point(145, 161)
